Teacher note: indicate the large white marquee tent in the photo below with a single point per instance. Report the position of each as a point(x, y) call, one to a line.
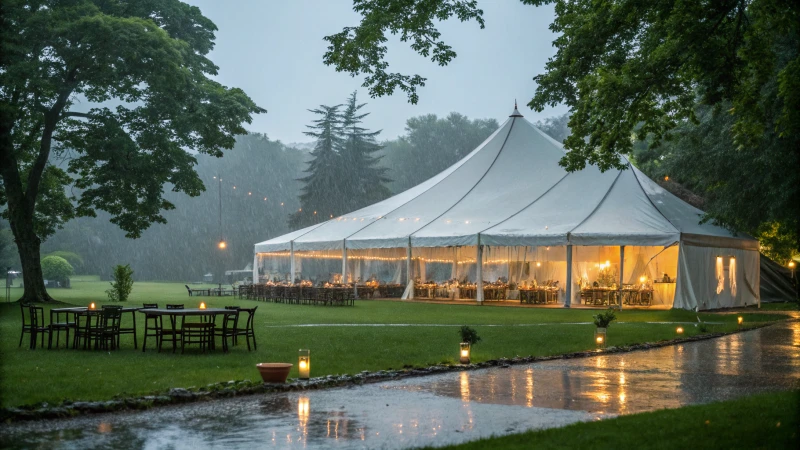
point(511, 207)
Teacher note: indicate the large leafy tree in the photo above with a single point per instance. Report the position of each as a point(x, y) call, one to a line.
point(625, 65)
point(125, 87)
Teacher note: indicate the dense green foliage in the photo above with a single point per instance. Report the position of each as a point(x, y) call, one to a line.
point(265, 168)
point(628, 67)
point(604, 319)
point(761, 421)
point(343, 174)
point(336, 350)
point(64, 63)
point(432, 144)
point(74, 259)
point(469, 335)
point(122, 285)
point(56, 268)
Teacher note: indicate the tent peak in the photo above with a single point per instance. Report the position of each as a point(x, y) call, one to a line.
point(516, 111)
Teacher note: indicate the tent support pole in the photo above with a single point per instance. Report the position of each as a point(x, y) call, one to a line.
point(479, 261)
point(291, 262)
point(568, 300)
point(409, 275)
point(344, 262)
point(255, 268)
point(621, 272)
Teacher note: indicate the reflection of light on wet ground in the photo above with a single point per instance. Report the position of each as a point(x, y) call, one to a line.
point(448, 408)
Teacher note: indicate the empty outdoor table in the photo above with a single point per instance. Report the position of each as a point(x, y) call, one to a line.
point(82, 310)
point(208, 312)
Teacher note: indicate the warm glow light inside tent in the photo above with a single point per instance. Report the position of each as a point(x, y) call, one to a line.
point(538, 264)
point(642, 279)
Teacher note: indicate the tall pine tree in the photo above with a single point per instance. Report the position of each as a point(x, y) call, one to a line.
point(365, 180)
point(344, 174)
point(321, 194)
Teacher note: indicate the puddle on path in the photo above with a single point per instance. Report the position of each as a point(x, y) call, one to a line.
point(448, 408)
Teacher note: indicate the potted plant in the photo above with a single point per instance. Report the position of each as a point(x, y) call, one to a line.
point(602, 321)
point(469, 337)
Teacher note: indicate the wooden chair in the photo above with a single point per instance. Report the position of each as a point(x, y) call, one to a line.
point(153, 326)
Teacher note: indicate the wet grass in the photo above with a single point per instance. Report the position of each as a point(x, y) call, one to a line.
point(30, 376)
point(761, 421)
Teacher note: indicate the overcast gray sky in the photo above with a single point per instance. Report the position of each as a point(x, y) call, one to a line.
point(273, 50)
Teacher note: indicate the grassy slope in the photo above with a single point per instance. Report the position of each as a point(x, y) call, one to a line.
point(761, 421)
point(31, 376)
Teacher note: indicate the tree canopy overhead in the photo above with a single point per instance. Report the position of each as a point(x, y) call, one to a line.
point(126, 87)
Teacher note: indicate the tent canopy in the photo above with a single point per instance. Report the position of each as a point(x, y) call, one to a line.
point(511, 191)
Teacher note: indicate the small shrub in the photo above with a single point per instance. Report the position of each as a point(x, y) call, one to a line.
point(122, 285)
point(603, 320)
point(56, 268)
point(469, 335)
point(74, 259)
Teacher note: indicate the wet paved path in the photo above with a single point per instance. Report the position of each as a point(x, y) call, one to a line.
point(449, 408)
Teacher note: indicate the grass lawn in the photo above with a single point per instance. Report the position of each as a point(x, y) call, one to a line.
point(761, 421)
point(30, 376)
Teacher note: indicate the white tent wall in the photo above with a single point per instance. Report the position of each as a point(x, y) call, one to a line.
point(385, 265)
point(273, 266)
point(318, 266)
point(440, 264)
point(708, 279)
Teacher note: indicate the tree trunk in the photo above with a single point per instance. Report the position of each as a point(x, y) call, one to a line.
point(28, 245)
point(21, 209)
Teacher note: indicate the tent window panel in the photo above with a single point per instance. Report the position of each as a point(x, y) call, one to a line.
point(273, 266)
point(379, 265)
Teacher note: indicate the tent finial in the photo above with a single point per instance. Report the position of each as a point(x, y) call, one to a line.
point(516, 111)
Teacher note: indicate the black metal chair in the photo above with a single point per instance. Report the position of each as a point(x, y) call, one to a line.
point(153, 326)
point(228, 329)
point(24, 308)
point(57, 326)
point(247, 331)
point(201, 333)
point(107, 330)
point(173, 331)
point(38, 326)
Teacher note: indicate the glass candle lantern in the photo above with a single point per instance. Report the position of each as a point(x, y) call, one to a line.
point(202, 305)
point(92, 306)
point(600, 337)
point(304, 363)
point(679, 330)
point(464, 353)
point(740, 320)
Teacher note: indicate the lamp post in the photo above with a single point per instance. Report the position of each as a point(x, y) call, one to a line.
point(222, 245)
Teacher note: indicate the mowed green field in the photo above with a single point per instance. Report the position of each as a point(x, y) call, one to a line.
point(372, 335)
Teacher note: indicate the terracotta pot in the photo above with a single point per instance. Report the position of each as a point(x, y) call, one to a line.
point(274, 372)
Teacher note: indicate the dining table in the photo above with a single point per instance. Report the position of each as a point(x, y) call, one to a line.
point(173, 314)
point(79, 312)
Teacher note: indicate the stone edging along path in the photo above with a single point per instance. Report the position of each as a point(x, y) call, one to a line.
point(229, 389)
